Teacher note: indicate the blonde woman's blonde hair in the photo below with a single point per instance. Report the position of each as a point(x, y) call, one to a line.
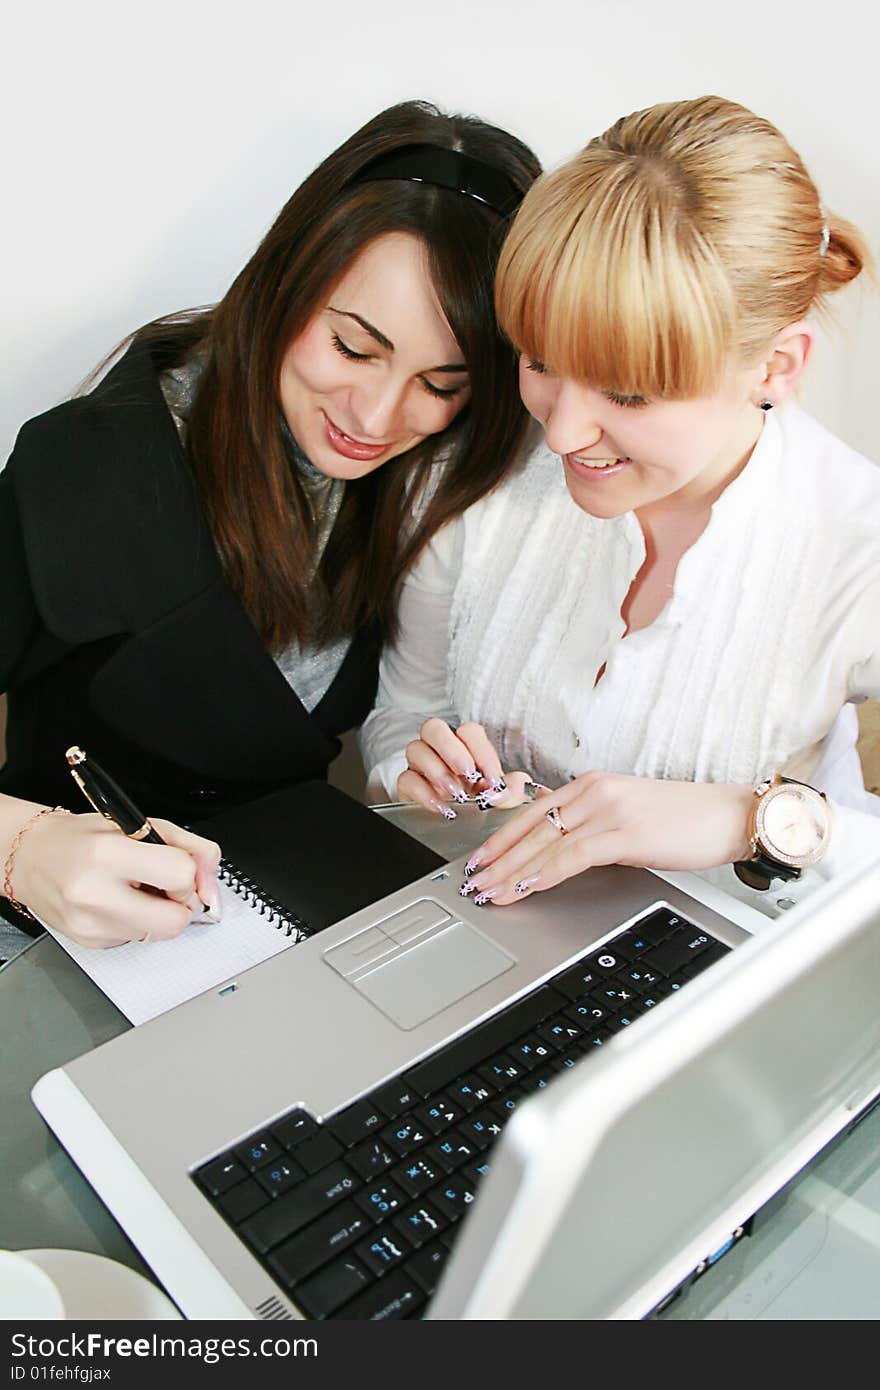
point(687, 234)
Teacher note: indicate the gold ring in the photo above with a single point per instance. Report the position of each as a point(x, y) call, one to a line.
point(556, 820)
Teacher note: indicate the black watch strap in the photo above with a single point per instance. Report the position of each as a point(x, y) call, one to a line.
point(761, 871)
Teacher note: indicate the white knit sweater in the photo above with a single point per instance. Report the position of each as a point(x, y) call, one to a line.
point(773, 626)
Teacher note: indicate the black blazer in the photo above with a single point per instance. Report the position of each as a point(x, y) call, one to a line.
point(119, 631)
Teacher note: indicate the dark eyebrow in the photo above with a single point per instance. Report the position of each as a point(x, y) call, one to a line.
point(387, 343)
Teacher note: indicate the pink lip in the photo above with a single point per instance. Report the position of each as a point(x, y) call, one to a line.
point(350, 448)
point(581, 470)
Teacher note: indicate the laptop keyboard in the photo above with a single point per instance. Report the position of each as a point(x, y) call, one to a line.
point(354, 1217)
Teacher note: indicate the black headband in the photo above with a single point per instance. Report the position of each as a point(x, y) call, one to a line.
point(446, 168)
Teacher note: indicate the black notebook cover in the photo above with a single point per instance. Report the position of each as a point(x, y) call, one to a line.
point(317, 852)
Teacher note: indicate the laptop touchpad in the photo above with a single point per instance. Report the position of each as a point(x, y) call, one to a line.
point(415, 981)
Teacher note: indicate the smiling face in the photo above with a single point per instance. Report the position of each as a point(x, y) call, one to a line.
point(377, 368)
point(624, 454)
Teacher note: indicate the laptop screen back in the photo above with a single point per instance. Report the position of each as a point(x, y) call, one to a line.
point(611, 1187)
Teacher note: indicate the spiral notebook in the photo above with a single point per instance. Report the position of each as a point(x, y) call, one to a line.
point(293, 863)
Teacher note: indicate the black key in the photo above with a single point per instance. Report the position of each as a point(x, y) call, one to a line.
point(427, 1266)
point(473, 1172)
point(405, 1135)
point(420, 1223)
point(640, 975)
point(379, 1199)
point(262, 1148)
point(606, 961)
point(532, 1050)
point(371, 1158)
point(616, 994)
point(242, 1201)
point(315, 1153)
point(467, 1093)
point(397, 1296)
point(294, 1128)
point(504, 1107)
point(396, 1096)
point(220, 1174)
point(454, 1196)
point(660, 925)
point(417, 1175)
point(464, 1054)
point(332, 1286)
point(502, 1070)
point(288, 1214)
point(357, 1122)
point(630, 944)
point(553, 1032)
point(588, 1012)
point(383, 1250)
point(439, 1114)
point(476, 1129)
point(451, 1150)
point(325, 1238)
point(280, 1176)
point(678, 951)
point(597, 1036)
point(577, 981)
point(714, 951)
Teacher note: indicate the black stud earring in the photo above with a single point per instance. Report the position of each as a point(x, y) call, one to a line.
point(766, 405)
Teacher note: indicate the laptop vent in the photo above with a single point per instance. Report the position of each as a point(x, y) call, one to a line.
point(273, 1310)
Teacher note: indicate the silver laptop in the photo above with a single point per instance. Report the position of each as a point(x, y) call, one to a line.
point(437, 1110)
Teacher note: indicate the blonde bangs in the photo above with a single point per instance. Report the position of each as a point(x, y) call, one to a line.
point(604, 279)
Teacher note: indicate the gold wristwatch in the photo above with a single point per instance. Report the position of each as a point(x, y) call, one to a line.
point(789, 828)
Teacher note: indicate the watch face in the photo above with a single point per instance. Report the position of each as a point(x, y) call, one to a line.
point(793, 824)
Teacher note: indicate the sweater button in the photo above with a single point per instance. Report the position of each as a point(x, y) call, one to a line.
point(576, 737)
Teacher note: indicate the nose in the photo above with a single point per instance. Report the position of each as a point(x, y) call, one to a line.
point(572, 422)
point(377, 410)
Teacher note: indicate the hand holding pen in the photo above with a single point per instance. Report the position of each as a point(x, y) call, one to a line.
point(186, 876)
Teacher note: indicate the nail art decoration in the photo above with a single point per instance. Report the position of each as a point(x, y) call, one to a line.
point(498, 784)
point(485, 897)
point(445, 811)
point(486, 800)
point(460, 795)
point(525, 883)
point(473, 775)
point(466, 889)
point(472, 865)
point(530, 790)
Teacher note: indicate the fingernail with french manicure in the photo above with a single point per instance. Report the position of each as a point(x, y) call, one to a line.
point(472, 865)
point(458, 794)
point(467, 888)
point(445, 811)
point(473, 774)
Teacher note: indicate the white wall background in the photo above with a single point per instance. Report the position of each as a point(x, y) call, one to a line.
point(146, 148)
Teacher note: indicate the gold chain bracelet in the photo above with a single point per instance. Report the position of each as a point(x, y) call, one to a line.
point(13, 851)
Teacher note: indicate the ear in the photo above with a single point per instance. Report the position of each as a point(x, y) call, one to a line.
point(784, 363)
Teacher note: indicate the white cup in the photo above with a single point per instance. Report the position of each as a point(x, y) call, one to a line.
point(26, 1291)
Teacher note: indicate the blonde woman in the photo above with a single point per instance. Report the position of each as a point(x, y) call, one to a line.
point(692, 628)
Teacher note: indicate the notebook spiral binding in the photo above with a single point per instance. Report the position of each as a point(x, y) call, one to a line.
point(274, 912)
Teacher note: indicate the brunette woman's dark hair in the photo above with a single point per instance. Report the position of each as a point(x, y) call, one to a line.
point(252, 496)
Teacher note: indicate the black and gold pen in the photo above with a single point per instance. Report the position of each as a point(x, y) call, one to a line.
point(109, 799)
point(113, 803)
